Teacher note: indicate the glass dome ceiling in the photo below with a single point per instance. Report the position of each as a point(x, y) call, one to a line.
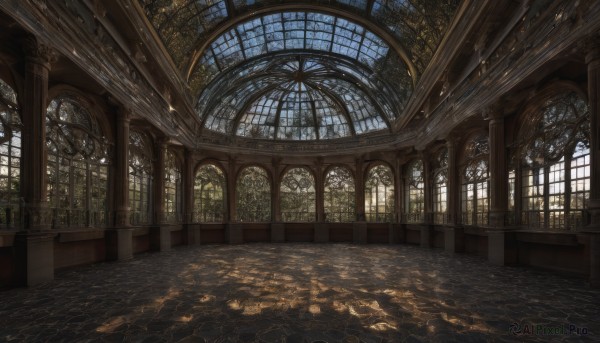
point(298, 97)
point(301, 70)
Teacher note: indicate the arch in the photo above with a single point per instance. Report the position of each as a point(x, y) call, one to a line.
point(200, 50)
point(10, 156)
point(298, 195)
point(553, 145)
point(339, 194)
point(253, 194)
point(210, 193)
point(141, 176)
point(173, 187)
point(415, 191)
point(474, 174)
point(78, 160)
point(440, 187)
point(379, 193)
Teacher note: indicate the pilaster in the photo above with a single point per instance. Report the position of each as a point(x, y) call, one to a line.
point(121, 179)
point(592, 60)
point(38, 59)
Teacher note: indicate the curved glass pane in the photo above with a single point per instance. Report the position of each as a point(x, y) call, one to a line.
point(209, 195)
point(298, 97)
point(10, 157)
point(140, 178)
point(253, 195)
point(339, 196)
point(415, 196)
point(77, 165)
point(379, 194)
point(298, 196)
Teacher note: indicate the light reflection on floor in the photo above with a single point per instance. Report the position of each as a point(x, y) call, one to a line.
point(298, 293)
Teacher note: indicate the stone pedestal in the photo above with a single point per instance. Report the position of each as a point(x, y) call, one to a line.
point(502, 247)
point(160, 238)
point(119, 244)
point(360, 232)
point(35, 256)
point(454, 239)
point(595, 258)
point(192, 234)
point(394, 233)
point(277, 232)
point(234, 234)
point(321, 233)
point(426, 236)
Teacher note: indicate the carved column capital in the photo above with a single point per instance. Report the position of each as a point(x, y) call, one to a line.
point(38, 52)
point(591, 48)
point(492, 112)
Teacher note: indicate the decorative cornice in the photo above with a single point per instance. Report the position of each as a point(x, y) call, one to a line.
point(38, 52)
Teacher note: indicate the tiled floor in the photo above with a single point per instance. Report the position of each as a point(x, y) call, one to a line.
point(300, 293)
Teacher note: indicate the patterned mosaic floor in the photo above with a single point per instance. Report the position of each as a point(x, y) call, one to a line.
point(302, 293)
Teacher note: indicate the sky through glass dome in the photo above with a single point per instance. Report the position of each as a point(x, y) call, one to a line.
point(299, 97)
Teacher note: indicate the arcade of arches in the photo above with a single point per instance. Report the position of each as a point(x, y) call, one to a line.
point(141, 125)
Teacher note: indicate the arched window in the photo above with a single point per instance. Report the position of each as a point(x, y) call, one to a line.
point(440, 188)
point(415, 192)
point(10, 156)
point(475, 182)
point(140, 178)
point(77, 164)
point(379, 194)
point(339, 197)
point(556, 163)
point(298, 196)
point(253, 195)
point(173, 189)
point(209, 195)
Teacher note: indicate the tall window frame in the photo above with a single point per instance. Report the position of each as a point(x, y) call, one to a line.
point(173, 188)
point(141, 168)
point(210, 194)
point(253, 195)
point(414, 192)
point(475, 200)
point(298, 196)
point(440, 188)
point(78, 164)
point(379, 194)
point(10, 157)
point(554, 149)
point(339, 198)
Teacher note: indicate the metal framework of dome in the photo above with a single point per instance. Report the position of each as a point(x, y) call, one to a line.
point(303, 70)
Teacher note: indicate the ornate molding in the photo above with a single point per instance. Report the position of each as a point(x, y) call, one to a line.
point(38, 52)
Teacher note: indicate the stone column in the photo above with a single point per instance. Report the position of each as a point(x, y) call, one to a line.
point(497, 168)
point(119, 242)
point(453, 234)
point(191, 231)
point(592, 59)
point(34, 102)
point(160, 151)
point(234, 231)
point(121, 179)
point(188, 185)
point(359, 228)
point(427, 230)
point(501, 243)
point(34, 246)
point(321, 227)
point(160, 235)
point(277, 227)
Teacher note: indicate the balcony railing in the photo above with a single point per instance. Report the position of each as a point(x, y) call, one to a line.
point(556, 220)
